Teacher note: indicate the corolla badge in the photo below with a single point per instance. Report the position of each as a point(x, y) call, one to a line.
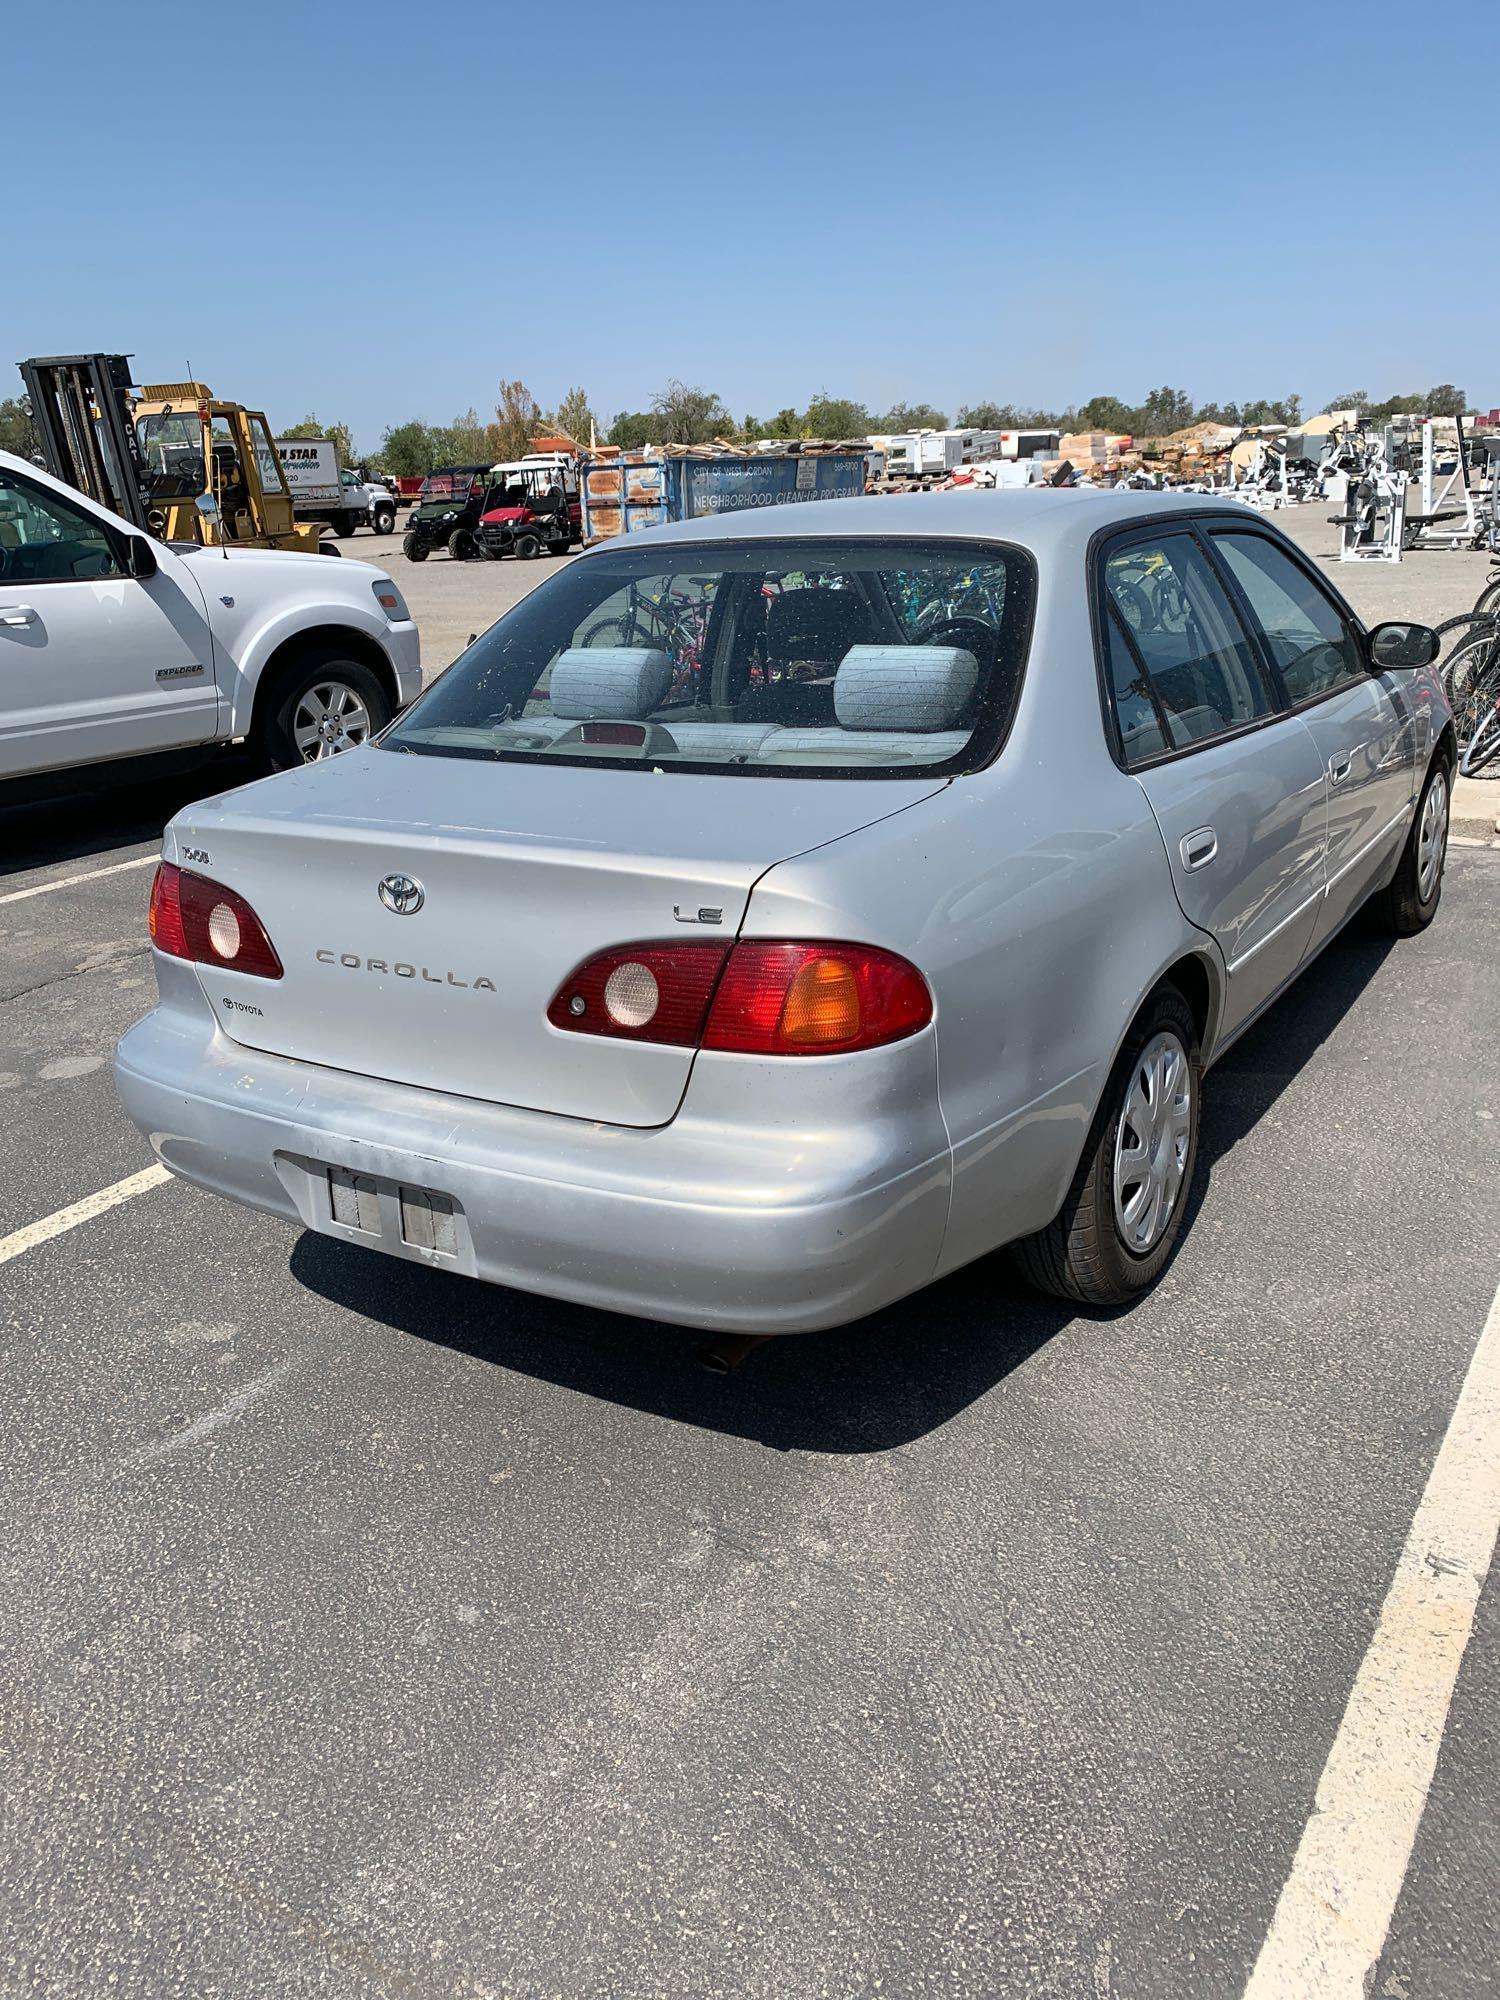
point(401, 894)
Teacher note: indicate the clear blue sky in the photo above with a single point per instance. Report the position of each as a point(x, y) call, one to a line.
point(391, 205)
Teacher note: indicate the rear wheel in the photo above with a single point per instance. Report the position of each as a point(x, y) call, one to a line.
point(1409, 902)
point(320, 705)
point(1123, 1213)
point(558, 548)
point(344, 526)
point(460, 545)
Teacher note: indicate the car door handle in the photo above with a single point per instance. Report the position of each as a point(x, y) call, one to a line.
point(17, 614)
point(1340, 767)
point(1199, 847)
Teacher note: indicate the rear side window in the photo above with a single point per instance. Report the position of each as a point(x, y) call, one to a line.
point(1141, 733)
point(1188, 643)
point(1313, 647)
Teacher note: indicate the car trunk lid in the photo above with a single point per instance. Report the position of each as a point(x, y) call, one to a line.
point(523, 872)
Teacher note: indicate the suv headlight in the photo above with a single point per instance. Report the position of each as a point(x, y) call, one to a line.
point(390, 600)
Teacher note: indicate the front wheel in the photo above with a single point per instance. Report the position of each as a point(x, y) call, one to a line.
point(412, 549)
point(527, 546)
point(320, 706)
point(383, 520)
point(1123, 1213)
point(1409, 902)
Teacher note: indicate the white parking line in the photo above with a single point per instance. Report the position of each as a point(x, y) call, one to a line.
point(72, 881)
point(64, 1219)
point(1333, 1914)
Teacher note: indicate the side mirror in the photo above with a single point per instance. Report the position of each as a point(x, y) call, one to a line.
point(1398, 645)
point(140, 557)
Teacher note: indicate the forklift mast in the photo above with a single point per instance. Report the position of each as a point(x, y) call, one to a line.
point(80, 406)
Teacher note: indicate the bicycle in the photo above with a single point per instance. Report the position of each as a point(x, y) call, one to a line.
point(1470, 679)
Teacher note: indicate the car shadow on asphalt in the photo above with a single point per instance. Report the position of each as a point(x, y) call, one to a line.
point(72, 826)
point(886, 1380)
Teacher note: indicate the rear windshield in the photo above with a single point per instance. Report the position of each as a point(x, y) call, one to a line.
point(867, 658)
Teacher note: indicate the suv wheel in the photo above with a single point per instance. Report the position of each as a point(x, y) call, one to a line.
point(1123, 1213)
point(322, 704)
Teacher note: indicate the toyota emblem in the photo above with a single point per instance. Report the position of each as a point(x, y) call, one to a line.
point(401, 894)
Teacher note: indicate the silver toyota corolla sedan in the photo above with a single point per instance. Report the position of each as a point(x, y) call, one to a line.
point(770, 915)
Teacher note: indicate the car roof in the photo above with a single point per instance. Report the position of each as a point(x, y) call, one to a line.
point(1050, 521)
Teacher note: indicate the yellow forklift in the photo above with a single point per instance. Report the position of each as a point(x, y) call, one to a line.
point(170, 457)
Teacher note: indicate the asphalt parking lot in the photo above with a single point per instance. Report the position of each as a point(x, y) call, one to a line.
point(365, 1631)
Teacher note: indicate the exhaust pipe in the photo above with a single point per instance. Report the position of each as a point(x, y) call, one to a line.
point(723, 1355)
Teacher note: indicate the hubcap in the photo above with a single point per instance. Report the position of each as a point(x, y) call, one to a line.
point(1432, 836)
point(330, 717)
point(1152, 1141)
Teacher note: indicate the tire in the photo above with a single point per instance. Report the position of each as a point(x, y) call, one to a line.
point(1083, 1253)
point(1489, 598)
point(1409, 901)
point(383, 521)
point(322, 679)
point(526, 546)
point(460, 545)
point(558, 548)
point(329, 549)
point(344, 526)
point(412, 549)
point(1472, 660)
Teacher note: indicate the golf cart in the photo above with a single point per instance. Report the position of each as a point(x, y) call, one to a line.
point(529, 508)
point(447, 513)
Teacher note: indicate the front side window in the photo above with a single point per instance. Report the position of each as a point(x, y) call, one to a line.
point(1183, 631)
point(866, 658)
point(44, 540)
point(1314, 649)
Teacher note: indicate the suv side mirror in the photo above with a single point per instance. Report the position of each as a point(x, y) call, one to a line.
point(1397, 644)
point(140, 557)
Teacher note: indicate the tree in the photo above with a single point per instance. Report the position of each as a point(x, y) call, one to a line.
point(1165, 410)
point(834, 417)
point(308, 428)
point(17, 432)
point(689, 416)
point(785, 424)
point(1446, 401)
point(911, 417)
point(406, 450)
point(632, 429)
point(575, 418)
point(1106, 413)
point(517, 414)
point(987, 417)
point(466, 441)
point(1357, 400)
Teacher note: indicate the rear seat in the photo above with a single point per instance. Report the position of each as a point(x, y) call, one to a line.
point(894, 705)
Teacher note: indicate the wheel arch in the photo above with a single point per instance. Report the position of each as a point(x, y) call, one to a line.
point(347, 639)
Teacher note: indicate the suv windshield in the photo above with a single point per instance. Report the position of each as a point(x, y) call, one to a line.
point(864, 658)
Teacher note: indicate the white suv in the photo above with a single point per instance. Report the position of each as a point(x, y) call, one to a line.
point(115, 647)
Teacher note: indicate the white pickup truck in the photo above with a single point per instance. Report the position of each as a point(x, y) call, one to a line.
point(322, 492)
point(117, 649)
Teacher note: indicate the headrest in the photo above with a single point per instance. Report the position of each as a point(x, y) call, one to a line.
point(615, 683)
point(903, 687)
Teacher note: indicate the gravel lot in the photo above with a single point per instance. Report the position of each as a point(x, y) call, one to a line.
point(364, 1631)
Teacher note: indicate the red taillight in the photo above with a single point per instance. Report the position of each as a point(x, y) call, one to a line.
point(641, 992)
point(749, 999)
point(194, 918)
point(815, 1000)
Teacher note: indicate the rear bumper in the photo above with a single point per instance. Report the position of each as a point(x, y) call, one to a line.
point(734, 1217)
